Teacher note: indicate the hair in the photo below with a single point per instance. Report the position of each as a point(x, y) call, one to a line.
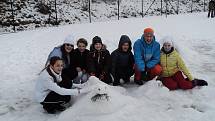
point(82, 40)
point(54, 59)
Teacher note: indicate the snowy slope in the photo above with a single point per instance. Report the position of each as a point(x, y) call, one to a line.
point(23, 55)
point(27, 15)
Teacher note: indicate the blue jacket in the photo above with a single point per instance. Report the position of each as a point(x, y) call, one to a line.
point(146, 55)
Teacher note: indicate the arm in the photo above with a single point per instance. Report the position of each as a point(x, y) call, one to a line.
point(183, 67)
point(49, 84)
point(55, 52)
point(107, 63)
point(155, 57)
point(113, 63)
point(138, 56)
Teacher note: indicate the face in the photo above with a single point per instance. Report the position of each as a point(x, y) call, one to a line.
point(58, 66)
point(98, 46)
point(148, 38)
point(125, 47)
point(167, 46)
point(68, 47)
point(81, 47)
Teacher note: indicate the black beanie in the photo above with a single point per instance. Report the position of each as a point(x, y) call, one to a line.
point(97, 39)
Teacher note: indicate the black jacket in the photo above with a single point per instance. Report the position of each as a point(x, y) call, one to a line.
point(122, 62)
point(80, 59)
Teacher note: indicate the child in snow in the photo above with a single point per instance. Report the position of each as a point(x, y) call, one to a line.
point(80, 58)
point(122, 61)
point(173, 69)
point(51, 91)
point(99, 61)
point(65, 52)
point(147, 57)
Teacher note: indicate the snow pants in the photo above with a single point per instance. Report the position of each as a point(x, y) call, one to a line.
point(177, 81)
point(53, 100)
point(150, 73)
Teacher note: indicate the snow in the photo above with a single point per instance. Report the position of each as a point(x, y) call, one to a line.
point(23, 56)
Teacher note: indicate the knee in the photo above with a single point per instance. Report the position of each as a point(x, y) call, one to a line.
point(156, 70)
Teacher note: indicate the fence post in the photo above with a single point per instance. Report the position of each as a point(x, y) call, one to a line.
point(166, 7)
point(178, 7)
point(204, 5)
point(192, 6)
point(161, 7)
point(12, 10)
point(118, 8)
point(55, 6)
point(89, 10)
point(142, 8)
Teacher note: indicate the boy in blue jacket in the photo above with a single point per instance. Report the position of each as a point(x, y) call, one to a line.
point(147, 57)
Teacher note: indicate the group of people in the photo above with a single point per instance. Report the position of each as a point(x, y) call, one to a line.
point(211, 9)
point(67, 68)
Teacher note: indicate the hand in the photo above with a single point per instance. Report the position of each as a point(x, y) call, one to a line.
point(78, 69)
point(85, 90)
point(84, 71)
point(92, 74)
point(79, 86)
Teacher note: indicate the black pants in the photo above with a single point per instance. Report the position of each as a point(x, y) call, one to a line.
point(122, 73)
point(53, 100)
point(211, 13)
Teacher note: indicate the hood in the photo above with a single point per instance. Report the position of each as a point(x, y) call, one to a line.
point(124, 39)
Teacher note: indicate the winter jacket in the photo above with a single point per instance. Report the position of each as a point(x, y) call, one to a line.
point(58, 51)
point(80, 59)
point(122, 61)
point(172, 63)
point(146, 55)
point(99, 63)
point(211, 5)
point(69, 72)
point(45, 84)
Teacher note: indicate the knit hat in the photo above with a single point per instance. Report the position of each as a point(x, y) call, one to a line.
point(148, 31)
point(167, 39)
point(97, 39)
point(69, 40)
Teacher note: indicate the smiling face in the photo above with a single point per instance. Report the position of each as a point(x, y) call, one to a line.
point(81, 47)
point(58, 66)
point(98, 46)
point(167, 46)
point(148, 38)
point(68, 47)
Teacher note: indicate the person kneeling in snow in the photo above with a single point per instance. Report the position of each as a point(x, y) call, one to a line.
point(173, 68)
point(122, 61)
point(51, 91)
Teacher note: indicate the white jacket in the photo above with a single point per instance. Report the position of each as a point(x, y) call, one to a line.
point(45, 84)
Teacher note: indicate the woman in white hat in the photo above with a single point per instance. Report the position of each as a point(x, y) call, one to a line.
point(173, 69)
point(65, 52)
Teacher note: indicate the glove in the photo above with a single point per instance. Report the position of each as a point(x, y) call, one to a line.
point(79, 86)
point(199, 82)
point(143, 75)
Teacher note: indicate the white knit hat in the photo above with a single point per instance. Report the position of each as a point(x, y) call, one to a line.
point(69, 40)
point(167, 39)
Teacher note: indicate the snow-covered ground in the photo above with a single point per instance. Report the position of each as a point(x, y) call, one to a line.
point(23, 55)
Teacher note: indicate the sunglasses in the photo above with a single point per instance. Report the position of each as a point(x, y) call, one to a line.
point(69, 45)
